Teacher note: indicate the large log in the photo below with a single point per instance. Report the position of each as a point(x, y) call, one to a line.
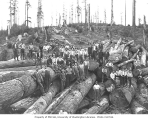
point(22, 105)
point(42, 103)
point(100, 107)
point(122, 97)
point(58, 100)
point(21, 63)
point(113, 110)
point(10, 75)
point(16, 89)
point(137, 108)
point(71, 103)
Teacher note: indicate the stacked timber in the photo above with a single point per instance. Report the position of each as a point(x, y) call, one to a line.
point(71, 102)
point(16, 89)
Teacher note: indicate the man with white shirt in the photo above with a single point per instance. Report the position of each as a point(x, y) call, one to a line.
point(99, 90)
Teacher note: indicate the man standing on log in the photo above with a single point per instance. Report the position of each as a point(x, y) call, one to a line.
point(97, 92)
point(100, 55)
point(22, 51)
point(41, 51)
point(15, 51)
point(90, 51)
point(38, 59)
point(68, 76)
point(31, 50)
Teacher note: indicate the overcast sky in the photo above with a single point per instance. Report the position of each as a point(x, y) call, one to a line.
point(54, 7)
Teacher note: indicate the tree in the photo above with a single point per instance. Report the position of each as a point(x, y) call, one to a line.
point(27, 6)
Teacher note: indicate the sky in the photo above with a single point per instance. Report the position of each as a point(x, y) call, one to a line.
point(52, 8)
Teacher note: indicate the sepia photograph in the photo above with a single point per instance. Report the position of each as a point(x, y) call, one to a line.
point(73, 57)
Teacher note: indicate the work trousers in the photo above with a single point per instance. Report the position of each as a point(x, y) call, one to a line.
point(22, 54)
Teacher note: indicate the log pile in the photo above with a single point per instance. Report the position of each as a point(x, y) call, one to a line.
point(129, 98)
point(16, 89)
point(125, 83)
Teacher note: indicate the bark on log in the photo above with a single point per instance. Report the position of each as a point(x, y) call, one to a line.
point(58, 100)
point(14, 90)
point(71, 103)
point(137, 108)
point(100, 108)
point(142, 72)
point(114, 110)
point(22, 63)
point(22, 105)
point(122, 97)
point(85, 102)
point(42, 103)
point(10, 75)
